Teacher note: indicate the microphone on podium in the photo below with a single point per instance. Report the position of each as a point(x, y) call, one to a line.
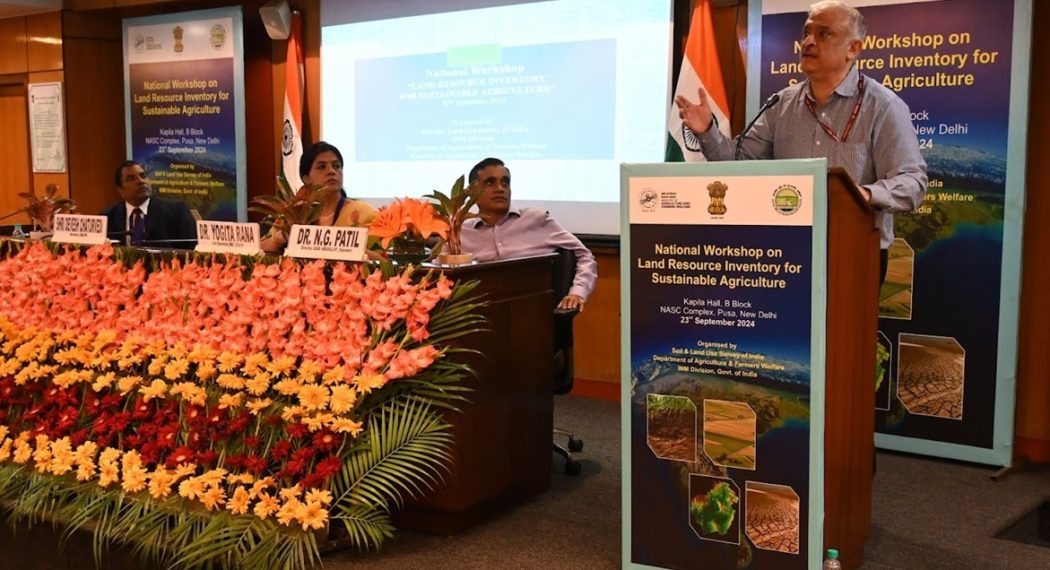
point(765, 107)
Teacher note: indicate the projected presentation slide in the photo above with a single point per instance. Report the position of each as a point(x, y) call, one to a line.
point(563, 91)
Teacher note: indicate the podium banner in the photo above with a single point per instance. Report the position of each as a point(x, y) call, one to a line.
point(945, 380)
point(723, 368)
point(184, 108)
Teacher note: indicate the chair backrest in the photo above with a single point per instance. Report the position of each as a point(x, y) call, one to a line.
point(562, 276)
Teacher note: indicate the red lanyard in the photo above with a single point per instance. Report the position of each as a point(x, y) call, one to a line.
point(852, 116)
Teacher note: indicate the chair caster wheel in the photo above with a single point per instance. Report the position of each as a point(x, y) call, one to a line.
point(575, 445)
point(572, 467)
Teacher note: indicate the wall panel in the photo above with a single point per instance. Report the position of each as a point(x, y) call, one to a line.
point(44, 41)
point(14, 147)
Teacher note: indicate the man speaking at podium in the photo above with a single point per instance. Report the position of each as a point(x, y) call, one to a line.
point(837, 113)
point(143, 220)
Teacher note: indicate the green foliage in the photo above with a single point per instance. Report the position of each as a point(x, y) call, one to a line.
point(454, 209)
point(287, 207)
point(715, 511)
point(882, 357)
point(658, 402)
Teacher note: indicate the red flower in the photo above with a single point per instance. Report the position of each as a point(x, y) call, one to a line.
point(330, 465)
point(280, 450)
point(255, 465)
point(325, 440)
point(296, 431)
point(180, 456)
point(206, 457)
point(251, 442)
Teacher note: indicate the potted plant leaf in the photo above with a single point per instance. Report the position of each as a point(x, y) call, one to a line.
point(286, 208)
point(42, 209)
point(454, 208)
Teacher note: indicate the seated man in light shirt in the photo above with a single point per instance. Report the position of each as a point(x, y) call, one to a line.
point(502, 232)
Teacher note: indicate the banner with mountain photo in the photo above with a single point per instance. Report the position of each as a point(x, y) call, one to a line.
point(948, 308)
point(723, 416)
point(184, 108)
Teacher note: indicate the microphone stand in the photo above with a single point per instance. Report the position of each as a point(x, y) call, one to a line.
point(765, 107)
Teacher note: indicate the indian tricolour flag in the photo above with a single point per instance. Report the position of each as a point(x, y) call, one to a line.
point(699, 69)
point(291, 137)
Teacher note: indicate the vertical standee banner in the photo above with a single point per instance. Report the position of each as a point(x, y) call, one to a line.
point(723, 369)
point(184, 106)
point(946, 375)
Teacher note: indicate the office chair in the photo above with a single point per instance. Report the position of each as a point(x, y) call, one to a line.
point(562, 276)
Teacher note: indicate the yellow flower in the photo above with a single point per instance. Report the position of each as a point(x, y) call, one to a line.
point(42, 455)
point(281, 366)
point(5, 449)
point(259, 486)
point(334, 376)
point(86, 452)
point(228, 361)
point(128, 383)
point(156, 389)
point(258, 405)
point(290, 492)
point(312, 515)
point(213, 498)
point(322, 496)
point(185, 469)
point(317, 421)
point(286, 515)
point(191, 488)
point(213, 477)
point(104, 381)
point(108, 474)
point(288, 387)
point(344, 425)
point(254, 363)
point(343, 398)
point(245, 478)
point(367, 382)
point(179, 350)
point(66, 379)
point(176, 368)
point(61, 456)
point(289, 413)
point(313, 397)
point(258, 384)
point(156, 366)
point(309, 370)
point(134, 474)
point(230, 381)
point(160, 483)
point(205, 371)
point(232, 401)
point(238, 504)
point(85, 471)
point(202, 354)
point(266, 506)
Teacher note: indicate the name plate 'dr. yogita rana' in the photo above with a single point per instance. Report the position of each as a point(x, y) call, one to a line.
point(76, 228)
point(228, 237)
point(327, 242)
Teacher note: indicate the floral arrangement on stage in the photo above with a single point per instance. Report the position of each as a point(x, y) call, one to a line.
point(218, 410)
point(403, 227)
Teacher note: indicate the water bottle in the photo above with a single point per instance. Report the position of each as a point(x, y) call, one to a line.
point(17, 233)
point(831, 562)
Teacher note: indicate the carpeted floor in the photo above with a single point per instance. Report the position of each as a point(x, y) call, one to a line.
point(927, 513)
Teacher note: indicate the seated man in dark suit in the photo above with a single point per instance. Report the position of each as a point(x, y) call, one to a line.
point(142, 220)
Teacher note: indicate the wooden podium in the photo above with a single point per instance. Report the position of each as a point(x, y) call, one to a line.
point(502, 436)
point(852, 322)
